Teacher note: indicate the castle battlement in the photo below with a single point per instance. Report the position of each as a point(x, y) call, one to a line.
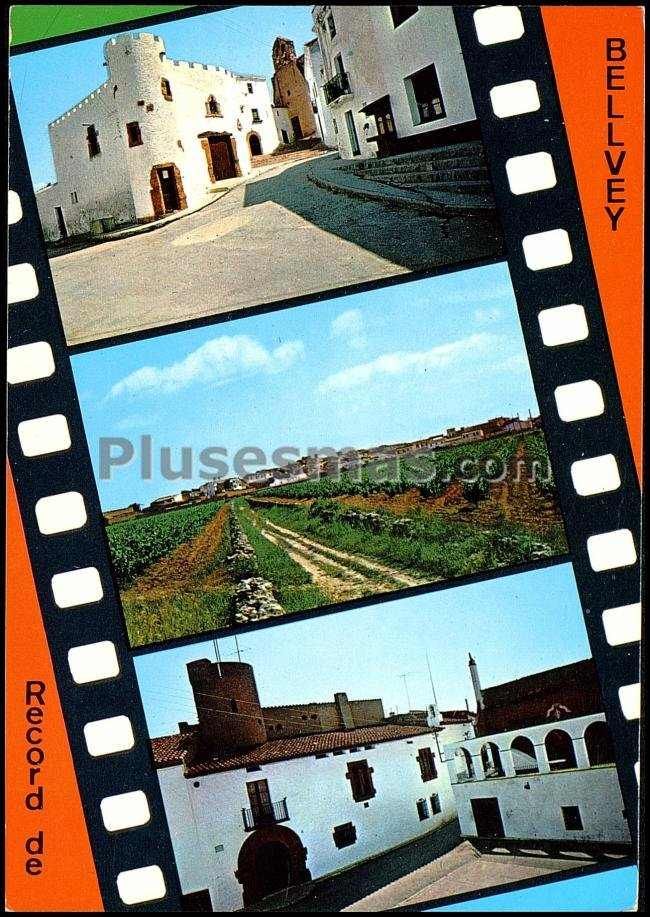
point(89, 98)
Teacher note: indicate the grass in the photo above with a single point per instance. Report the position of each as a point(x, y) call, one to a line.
point(439, 548)
point(291, 583)
point(149, 620)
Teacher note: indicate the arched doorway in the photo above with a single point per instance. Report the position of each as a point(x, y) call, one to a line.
point(254, 144)
point(524, 757)
point(491, 760)
point(271, 859)
point(559, 750)
point(598, 741)
point(464, 765)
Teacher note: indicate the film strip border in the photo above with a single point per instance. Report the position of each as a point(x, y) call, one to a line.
point(65, 534)
point(515, 97)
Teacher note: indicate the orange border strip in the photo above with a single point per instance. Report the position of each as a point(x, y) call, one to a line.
point(576, 37)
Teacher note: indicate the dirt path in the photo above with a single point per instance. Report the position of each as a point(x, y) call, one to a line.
point(339, 574)
point(190, 565)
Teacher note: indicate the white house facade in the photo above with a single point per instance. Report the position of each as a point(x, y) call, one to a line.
point(258, 815)
point(154, 138)
point(552, 776)
point(392, 79)
point(315, 76)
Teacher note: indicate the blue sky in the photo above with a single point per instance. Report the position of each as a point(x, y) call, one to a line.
point(393, 364)
point(365, 652)
point(612, 890)
point(47, 83)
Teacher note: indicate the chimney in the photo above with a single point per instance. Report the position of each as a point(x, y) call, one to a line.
point(478, 694)
point(344, 710)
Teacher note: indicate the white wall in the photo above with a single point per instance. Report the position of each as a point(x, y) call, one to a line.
point(117, 181)
point(531, 804)
point(377, 57)
point(314, 69)
point(318, 798)
point(101, 183)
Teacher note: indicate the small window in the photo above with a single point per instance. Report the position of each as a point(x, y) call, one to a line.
point(360, 777)
point(166, 89)
point(344, 835)
point(233, 705)
point(133, 133)
point(93, 141)
point(73, 197)
point(285, 136)
point(256, 116)
point(249, 86)
point(436, 808)
point(572, 818)
point(423, 809)
point(401, 13)
point(336, 127)
point(425, 96)
point(331, 26)
point(427, 762)
point(212, 107)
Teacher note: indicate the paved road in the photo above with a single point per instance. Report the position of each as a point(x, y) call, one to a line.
point(274, 237)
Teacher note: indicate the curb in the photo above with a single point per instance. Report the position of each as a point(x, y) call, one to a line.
point(357, 188)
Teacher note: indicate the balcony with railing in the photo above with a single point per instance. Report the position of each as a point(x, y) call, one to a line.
point(338, 86)
point(272, 813)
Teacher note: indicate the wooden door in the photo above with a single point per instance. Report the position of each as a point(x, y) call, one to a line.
point(223, 165)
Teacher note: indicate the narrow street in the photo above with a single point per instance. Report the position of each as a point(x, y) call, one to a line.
point(275, 236)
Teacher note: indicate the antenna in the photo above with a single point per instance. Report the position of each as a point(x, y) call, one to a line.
point(433, 690)
point(406, 688)
point(217, 656)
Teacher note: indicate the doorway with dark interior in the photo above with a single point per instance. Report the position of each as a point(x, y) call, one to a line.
point(222, 156)
point(296, 128)
point(60, 219)
point(487, 817)
point(254, 144)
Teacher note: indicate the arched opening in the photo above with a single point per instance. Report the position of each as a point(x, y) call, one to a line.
point(559, 750)
point(212, 107)
point(270, 860)
point(254, 144)
point(524, 758)
point(598, 741)
point(491, 759)
point(464, 765)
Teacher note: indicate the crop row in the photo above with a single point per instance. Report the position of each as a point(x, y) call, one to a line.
point(431, 472)
point(137, 543)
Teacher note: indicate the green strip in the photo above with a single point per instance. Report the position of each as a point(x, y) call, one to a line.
point(35, 22)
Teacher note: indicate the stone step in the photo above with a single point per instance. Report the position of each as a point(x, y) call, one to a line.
point(378, 166)
point(478, 173)
point(455, 200)
point(472, 150)
point(464, 187)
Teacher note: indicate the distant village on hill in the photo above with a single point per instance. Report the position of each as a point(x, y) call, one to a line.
point(316, 466)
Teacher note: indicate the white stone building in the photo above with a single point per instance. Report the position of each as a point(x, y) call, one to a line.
point(315, 76)
point(393, 78)
point(541, 766)
point(251, 816)
point(155, 137)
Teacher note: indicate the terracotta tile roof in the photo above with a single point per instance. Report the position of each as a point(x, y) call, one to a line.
point(167, 752)
point(557, 694)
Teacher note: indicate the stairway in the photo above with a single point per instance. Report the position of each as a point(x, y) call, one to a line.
point(454, 176)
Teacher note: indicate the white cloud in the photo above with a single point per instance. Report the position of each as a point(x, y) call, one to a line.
point(349, 327)
point(216, 361)
point(400, 363)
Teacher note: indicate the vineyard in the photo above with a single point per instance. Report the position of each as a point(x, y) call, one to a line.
point(436, 516)
point(431, 472)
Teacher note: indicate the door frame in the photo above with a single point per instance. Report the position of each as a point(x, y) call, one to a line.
point(156, 190)
point(205, 138)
